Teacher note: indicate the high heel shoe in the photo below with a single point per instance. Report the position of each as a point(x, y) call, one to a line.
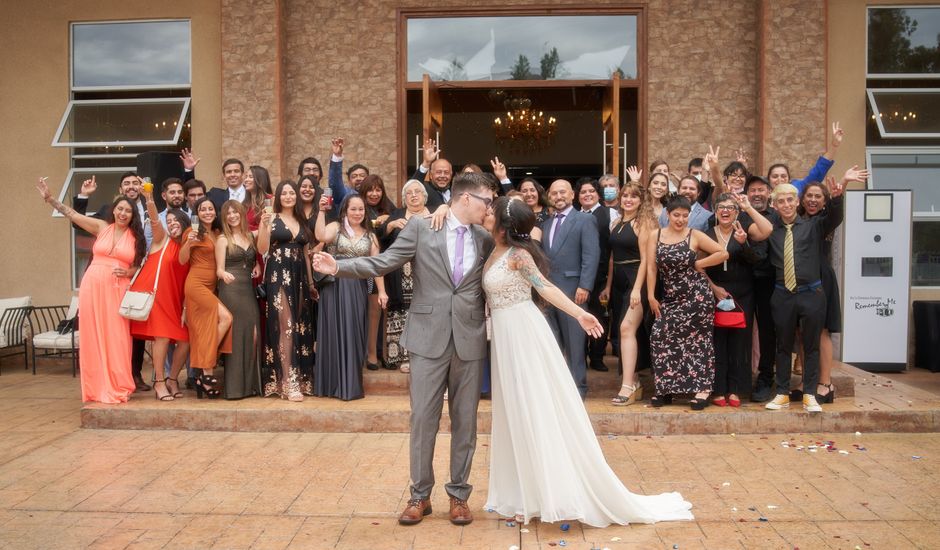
point(697, 404)
point(175, 389)
point(636, 393)
point(208, 385)
point(156, 392)
point(660, 400)
point(827, 397)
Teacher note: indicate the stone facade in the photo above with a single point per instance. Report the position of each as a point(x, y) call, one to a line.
point(795, 127)
point(252, 121)
point(336, 75)
point(702, 79)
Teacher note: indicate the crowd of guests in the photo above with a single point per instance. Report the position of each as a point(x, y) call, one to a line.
point(695, 274)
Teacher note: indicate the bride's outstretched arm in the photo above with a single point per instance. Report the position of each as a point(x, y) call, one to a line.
point(522, 261)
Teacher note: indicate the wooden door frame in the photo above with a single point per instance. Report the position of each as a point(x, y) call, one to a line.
point(640, 83)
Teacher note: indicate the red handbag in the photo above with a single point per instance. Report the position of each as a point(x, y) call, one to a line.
point(731, 319)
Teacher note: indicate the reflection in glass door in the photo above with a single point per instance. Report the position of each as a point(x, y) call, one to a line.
point(576, 147)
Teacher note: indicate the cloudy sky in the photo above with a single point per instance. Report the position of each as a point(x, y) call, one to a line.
point(581, 41)
point(131, 54)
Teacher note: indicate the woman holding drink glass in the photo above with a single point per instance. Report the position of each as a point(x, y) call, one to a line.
point(288, 346)
point(209, 321)
point(105, 337)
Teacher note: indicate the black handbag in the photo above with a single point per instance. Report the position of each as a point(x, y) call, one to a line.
point(261, 292)
point(67, 326)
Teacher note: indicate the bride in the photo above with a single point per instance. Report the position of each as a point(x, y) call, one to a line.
point(545, 461)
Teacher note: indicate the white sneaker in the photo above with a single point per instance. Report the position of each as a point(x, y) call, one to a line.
point(781, 401)
point(810, 404)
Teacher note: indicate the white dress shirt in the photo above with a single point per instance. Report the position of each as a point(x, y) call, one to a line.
point(556, 224)
point(469, 250)
point(237, 194)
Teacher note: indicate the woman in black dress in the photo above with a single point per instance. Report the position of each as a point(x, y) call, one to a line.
point(629, 235)
point(814, 201)
point(288, 349)
point(533, 195)
point(378, 209)
point(342, 331)
point(734, 278)
point(681, 342)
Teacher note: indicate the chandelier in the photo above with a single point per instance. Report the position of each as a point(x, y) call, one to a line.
point(523, 128)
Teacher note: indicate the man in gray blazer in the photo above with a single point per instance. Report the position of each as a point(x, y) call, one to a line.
point(445, 335)
point(699, 215)
point(571, 242)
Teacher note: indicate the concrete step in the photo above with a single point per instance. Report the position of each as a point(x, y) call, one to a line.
point(600, 384)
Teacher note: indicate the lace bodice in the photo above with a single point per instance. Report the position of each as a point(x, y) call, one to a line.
point(505, 287)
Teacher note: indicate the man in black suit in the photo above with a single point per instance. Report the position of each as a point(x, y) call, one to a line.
point(442, 174)
point(233, 171)
point(589, 196)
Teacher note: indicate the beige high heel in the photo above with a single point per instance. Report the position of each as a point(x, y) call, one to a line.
point(636, 393)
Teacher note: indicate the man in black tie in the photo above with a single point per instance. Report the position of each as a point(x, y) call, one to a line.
point(799, 300)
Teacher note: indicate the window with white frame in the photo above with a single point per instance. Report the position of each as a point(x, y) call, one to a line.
point(130, 94)
point(903, 127)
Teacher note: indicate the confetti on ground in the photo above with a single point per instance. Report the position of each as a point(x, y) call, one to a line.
point(772, 507)
point(615, 539)
point(726, 484)
point(524, 530)
point(915, 457)
point(565, 526)
point(843, 452)
point(762, 518)
point(514, 547)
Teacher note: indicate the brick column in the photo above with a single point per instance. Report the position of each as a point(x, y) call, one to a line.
point(794, 128)
point(252, 96)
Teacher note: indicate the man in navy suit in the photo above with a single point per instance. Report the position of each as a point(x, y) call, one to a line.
point(571, 242)
point(233, 171)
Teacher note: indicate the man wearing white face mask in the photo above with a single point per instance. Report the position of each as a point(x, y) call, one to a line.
point(610, 191)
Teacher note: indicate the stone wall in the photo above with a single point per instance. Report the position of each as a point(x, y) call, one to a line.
point(339, 61)
point(251, 88)
point(702, 79)
point(795, 126)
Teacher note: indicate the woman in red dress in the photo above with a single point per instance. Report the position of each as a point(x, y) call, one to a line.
point(165, 324)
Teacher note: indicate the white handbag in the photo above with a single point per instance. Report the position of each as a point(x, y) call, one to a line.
point(136, 305)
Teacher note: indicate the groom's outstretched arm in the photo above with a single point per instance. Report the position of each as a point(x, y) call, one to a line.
point(402, 250)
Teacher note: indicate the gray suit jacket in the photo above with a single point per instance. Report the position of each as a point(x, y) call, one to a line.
point(698, 217)
point(574, 253)
point(438, 310)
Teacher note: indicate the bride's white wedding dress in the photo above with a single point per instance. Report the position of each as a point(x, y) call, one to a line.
point(545, 460)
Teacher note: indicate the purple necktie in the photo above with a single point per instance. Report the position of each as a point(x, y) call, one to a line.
point(458, 256)
point(558, 218)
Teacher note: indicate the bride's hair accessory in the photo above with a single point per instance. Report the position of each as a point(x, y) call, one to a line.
point(512, 225)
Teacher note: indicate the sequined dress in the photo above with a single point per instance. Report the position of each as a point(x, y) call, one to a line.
point(545, 460)
point(289, 336)
point(342, 329)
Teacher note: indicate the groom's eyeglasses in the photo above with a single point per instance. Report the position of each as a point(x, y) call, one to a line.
point(488, 201)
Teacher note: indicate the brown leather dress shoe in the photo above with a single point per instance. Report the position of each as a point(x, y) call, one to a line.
point(415, 511)
point(460, 512)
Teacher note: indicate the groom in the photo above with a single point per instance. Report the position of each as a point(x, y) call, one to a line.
point(445, 335)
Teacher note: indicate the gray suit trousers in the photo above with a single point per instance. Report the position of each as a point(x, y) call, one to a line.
point(429, 378)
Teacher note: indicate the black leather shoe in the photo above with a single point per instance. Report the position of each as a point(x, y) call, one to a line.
point(141, 385)
point(761, 393)
point(599, 366)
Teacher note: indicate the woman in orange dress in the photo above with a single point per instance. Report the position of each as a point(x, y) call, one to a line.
point(208, 320)
point(105, 336)
point(165, 323)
